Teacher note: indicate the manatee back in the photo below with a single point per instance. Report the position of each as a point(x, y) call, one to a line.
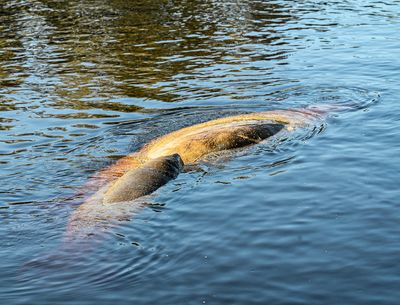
point(144, 180)
point(195, 145)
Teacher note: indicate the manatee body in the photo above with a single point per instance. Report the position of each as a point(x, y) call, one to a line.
point(193, 146)
point(196, 141)
point(160, 161)
point(188, 148)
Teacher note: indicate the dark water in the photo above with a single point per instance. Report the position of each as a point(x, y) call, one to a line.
point(312, 220)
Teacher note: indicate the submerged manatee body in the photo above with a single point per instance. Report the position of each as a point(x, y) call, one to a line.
point(143, 172)
point(114, 200)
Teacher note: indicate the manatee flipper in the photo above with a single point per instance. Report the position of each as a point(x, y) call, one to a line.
point(144, 180)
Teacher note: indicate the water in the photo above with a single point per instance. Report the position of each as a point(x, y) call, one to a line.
point(309, 220)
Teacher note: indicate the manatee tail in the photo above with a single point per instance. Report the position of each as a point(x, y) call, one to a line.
point(347, 106)
point(324, 109)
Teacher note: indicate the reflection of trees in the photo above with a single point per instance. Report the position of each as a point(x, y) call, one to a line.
point(8, 45)
point(175, 50)
point(153, 49)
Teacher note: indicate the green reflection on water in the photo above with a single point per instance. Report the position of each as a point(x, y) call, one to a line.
point(75, 50)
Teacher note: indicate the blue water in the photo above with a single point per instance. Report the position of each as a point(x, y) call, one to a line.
point(309, 219)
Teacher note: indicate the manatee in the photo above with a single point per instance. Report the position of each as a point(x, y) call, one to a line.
point(161, 160)
point(196, 141)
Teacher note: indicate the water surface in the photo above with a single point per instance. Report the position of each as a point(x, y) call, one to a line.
point(311, 219)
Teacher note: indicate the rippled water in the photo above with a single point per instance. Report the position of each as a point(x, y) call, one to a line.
point(312, 219)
